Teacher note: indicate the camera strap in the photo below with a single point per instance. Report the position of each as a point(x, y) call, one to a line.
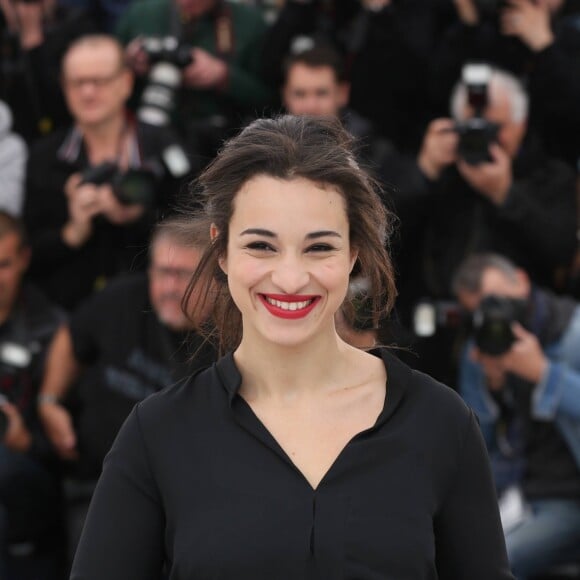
point(224, 31)
point(73, 150)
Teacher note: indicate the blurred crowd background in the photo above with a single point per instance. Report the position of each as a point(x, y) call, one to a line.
point(466, 112)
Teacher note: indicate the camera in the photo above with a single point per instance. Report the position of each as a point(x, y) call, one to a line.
point(492, 323)
point(476, 134)
point(14, 360)
point(134, 186)
point(475, 137)
point(138, 185)
point(168, 58)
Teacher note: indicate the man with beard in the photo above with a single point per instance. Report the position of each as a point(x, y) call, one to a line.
point(123, 344)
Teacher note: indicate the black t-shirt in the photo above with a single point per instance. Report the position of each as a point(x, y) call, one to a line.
point(24, 339)
point(196, 482)
point(128, 355)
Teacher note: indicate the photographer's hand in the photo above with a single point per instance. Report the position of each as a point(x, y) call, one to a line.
point(467, 12)
point(492, 179)
point(528, 21)
point(30, 17)
point(83, 205)
point(112, 209)
point(526, 359)
point(206, 71)
point(17, 437)
point(58, 426)
point(137, 57)
point(438, 149)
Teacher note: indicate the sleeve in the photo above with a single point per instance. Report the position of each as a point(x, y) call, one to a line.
point(473, 391)
point(542, 212)
point(558, 393)
point(45, 211)
point(468, 534)
point(244, 84)
point(123, 534)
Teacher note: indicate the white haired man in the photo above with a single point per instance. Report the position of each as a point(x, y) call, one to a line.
point(513, 200)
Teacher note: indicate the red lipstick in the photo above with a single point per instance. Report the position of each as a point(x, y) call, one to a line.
point(280, 312)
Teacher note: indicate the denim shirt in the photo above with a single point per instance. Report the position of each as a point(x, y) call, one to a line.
point(555, 398)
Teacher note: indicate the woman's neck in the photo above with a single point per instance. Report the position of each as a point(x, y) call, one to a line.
point(278, 371)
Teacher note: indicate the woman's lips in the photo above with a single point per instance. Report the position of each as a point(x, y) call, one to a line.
point(289, 306)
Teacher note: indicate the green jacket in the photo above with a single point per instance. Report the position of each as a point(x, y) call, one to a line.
point(245, 92)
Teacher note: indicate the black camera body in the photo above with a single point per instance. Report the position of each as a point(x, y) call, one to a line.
point(15, 359)
point(134, 186)
point(492, 323)
point(167, 49)
point(168, 58)
point(477, 133)
point(475, 137)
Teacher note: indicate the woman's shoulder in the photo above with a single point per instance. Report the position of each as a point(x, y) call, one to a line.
point(420, 394)
point(190, 395)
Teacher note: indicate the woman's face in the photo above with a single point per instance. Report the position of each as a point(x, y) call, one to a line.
point(288, 259)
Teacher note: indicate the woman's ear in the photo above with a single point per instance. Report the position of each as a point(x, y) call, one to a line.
point(353, 259)
point(213, 235)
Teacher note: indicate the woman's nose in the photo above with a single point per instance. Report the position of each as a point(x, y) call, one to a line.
point(290, 275)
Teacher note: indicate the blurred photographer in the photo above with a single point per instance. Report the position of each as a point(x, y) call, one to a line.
point(123, 344)
point(34, 35)
point(538, 40)
point(481, 182)
point(94, 191)
point(28, 478)
point(219, 83)
point(521, 375)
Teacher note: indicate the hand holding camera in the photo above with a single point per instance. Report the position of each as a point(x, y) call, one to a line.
point(83, 205)
point(492, 179)
point(206, 71)
point(525, 359)
point(439, 148)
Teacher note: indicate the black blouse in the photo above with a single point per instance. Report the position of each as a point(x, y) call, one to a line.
point(196, 485)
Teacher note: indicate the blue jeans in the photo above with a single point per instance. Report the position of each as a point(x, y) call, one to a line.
point(549, 537)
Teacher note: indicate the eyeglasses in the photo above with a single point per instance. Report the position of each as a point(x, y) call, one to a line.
point(164, 272)
point(97, 82)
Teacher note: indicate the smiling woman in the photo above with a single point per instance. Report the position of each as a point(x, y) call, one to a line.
point(296, 456)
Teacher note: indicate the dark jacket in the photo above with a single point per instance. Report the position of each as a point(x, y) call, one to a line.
point(67, 275)
point(443, 221)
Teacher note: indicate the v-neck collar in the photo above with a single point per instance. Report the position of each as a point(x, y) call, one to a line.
point(398, 376)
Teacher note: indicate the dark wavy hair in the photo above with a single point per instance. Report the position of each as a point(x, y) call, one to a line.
point(288, 147)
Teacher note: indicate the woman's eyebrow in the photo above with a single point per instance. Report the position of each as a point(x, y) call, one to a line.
point(258, 232)
point(322, 234)
point(310, 236)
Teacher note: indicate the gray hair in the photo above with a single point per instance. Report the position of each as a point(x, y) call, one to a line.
point(501, 83)
point(469, 274)
point(182, 231)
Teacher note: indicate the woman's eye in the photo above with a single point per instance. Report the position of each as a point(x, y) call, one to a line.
point(260, 246)
point(320, 248)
